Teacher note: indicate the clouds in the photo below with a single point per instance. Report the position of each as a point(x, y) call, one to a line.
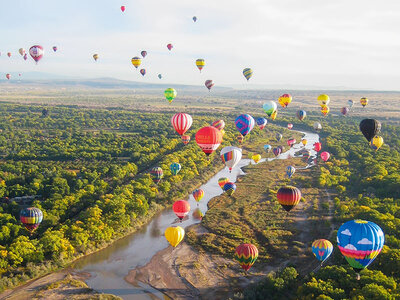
point(364, 241)
point(346, 232)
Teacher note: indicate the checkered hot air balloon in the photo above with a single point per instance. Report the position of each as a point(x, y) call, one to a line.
point(244, 124)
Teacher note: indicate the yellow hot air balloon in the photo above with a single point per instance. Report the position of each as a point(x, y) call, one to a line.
point(285, 100)
point(174, 235)
point(256, 158)
point(136, 61)
point(304, 142)
point(274, 114)
point(325, 110)
point(364, 101)
point(96, 57)
point(170, 94)
point(200, 63)
point(376, 142)
point(323, 100)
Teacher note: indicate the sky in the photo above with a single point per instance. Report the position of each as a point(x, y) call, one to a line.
point(294, 43)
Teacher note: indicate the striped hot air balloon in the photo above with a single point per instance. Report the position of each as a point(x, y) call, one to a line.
point(200, 63)
point(208, 139)
point(244, 124)
point(229, 188)
point(31, 217)
point(185, 139)
point(181, 122)
point(277, 151)
point(222, 181)
point(198, 194)
point(322, 249)
point(156, 174)
point(290, 170)
point(247, 72)
point(175, 168)
point(209, 84)
point(136, 61)
point(246, 255)
point(231, 156)
point(301, 114)
point(219, 124)
point(288, 197)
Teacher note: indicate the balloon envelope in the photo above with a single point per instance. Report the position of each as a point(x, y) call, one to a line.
point(246, 255)
point(290, 170)
point(376, 142)
point(198, 194)
point(370, 128)
point(231, 156)
point(181, 208)
point(136, 61)
point(261, 122)
point(325, 155)
point(208, 139)
point(175, 168)
point(222, 181)
point(288, 197)
point(31, 217)
point(170, 94)
point(323, 100)
point(209, 84)
point(301, 114)
point(269, 107)
point(364, 101)
point(285, 100)
point(244, 124)
point(200, 63)
point(322, 249)
point(229, 188)
point(181, 122)
point(247, 73)
point(219, 124)
point(36, 52)
point(156, 174)
point(174, 235)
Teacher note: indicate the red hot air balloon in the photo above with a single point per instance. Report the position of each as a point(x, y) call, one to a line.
point(208, 138)
point(143, 72)
point(181, 122)
point(317, 146)
point(209, 84)
point(8, 76)
point(288, 197)
point(143, 53)
point(122, 8)
point(36, 52)
point(219, 124)
point(325, 155)
point(9, 54)
point(246, 255)
point(169, 46)
point(186, 139)
point(181, 208)
point(291, 142)
point(290, 126)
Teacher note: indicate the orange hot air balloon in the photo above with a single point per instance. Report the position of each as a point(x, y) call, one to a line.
point(208, 138)
point(325, 110)
point(186, 139)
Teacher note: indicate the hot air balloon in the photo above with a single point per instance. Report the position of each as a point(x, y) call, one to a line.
point(219, 124)
point(209, 84)
point(376, 142)
point(350, 103)
point(364, 101)
point(175, 168)
point(267, 148)
point(174, 235)
point(95, 57)
point(244, 123)
point(22, 51)
point(323, 100)
point(55, 48)
point(8, 76)
point(306, 155)
point(159, 76)
point(285, 100)
point(290, 126)
point(25, 56)
point(304, 142)
point(274, 114)
point(344, 111)
point(246, 255)
point(136, 61)
point(181, 122)
point(222, 181)
point(31, 217)
point(231, 156)
point(122, 8)
point(288, 197)
point(269, 107)
point(169, 46)
point(281, 147)
point(261, 122)
point(194, 19)
point(247, 72)
point(198, 214)
point(277, 151)
point(208, 139)
point(240, 138)
point(370, 128)
point(317, 146)
point(317, 126)
point(325, 156)
point(181, 208)
point(198, 194)
point(360, 243)
point(290, 171)
point(322, 249)
point(278, 136)
point(186, 139)
point(9, 54)
point(325, 110)
point(36, 52)
point(301, 114)
point(170, 94)
point(229, 188)
point(256, 158)
point(143, 72)
point(291, 142)
point(156, 174)
point(200, 63)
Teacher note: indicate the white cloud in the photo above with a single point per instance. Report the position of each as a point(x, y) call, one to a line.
point(350, 247)
point(346, 232)
point(365, 241)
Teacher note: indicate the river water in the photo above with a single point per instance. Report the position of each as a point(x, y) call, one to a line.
point(109, 266)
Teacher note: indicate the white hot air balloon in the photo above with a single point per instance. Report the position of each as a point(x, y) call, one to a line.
point(231, 156)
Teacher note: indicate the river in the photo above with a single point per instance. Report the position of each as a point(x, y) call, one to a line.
point(109, 266)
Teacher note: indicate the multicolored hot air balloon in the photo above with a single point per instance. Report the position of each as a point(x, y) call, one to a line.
point(156, 174)
point(306, 155)
point(181, 122)
point(170, 94)
point(277, 151)
point(31, 217)
point(278, 136)
point(247, 72)
point(8, 76)
point(274, 114)
point(55, 48)
point(288, 197)
point(304, 142)
point(261, 122)
point(256, 158)
point(325, 156)
point(317, 146)
point(285, 100)
point(290, 170)
point(290, 126)
point(229, 188)
point(231, 156)
point(200, 63)
point(136, 61)
point(219, 124)
point(344, 111)
point(291, 142)
point(240, 138)
point(186, 139)
point(209, 84)
point(143, 72)
point(175, 168)
point(122, 8)
point(170, 46)
point(323, 100)
point(301, 114)
point(267, 148)
point(270, 107)
point(222, 181)
point(317, 126)
point(22, 51)
point(174, 235)
point(246, 255)
point(360, 243)
point(244, 124)
point(198, 194)
point(325, 110)
point(364, 101)
point(181, 208)
point(370, 128)
point(143, 53)
point(322, 249)
point(376, 142)
point(208, 139)
point(194, 19)
point(95, 57)
point(36, 52)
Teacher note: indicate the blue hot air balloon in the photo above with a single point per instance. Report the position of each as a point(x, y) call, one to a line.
point(267, 148)
point(290, 171)
point(175, 168)
point(229, 188)
point(244, 123)
point(261, 122)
